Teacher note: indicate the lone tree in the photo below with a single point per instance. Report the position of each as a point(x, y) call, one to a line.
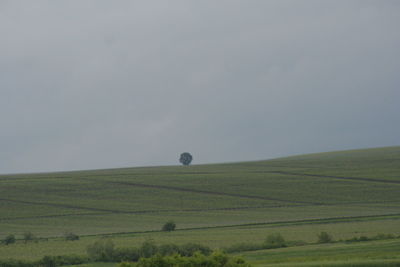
point(169, 226)
point(185, 158)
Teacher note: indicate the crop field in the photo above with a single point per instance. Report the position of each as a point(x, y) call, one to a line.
point(346, 193)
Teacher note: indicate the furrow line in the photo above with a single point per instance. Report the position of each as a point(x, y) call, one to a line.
point(145, 212)
point(137, 212)
point(60, 205)
point(207, 192)
point(336, 177)
point(328, 220)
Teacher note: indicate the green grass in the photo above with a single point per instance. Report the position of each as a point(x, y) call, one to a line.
point(213, 237)
point(374, 253)
point(346, 193)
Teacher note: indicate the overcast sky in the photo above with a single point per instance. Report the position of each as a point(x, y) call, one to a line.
point(100, 84)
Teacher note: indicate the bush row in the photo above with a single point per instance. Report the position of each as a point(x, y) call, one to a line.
point(104, 250)
point(272, 241)
point(30, 237)
point(277, 241)
point(47, 261)
point(366, 238)
point(216, 259)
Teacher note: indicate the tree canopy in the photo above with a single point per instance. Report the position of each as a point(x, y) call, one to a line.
point(186, 158)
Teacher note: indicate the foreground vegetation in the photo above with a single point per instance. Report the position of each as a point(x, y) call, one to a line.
point(381, 250)
point(346, 194)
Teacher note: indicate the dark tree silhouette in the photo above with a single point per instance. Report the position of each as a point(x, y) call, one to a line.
point(169, 226)
point(185, 158)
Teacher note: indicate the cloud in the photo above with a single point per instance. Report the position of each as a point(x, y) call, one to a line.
point(97, 84)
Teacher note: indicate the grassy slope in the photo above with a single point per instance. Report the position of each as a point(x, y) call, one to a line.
point(377, 253)
point(299, 189)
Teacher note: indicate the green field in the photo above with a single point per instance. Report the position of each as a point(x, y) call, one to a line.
point(346, 193)
point(377, 253)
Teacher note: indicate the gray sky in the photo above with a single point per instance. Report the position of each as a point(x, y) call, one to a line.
point(98, 84)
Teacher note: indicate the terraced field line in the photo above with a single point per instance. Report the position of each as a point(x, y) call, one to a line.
point(148, 212)
point(336, 177)
point(175, 210)
point(60, 205)
point(328, 220)
point(5, 177)
point(10, 178)
point(181, 189)
point(50, 216)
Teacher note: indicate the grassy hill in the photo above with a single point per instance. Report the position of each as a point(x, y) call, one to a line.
point(347, 193)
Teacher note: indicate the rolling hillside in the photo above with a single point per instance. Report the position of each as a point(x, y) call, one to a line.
point(351, 192)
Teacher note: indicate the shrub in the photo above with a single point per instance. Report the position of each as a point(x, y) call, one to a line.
point(101, 250)
point(29, 236)
point(148, 249)
point(126, 254)
point(53, 261)
point(274, 241)
point(71, 236)
point(17, 263)
point(190, 249)
point(10, 239)
point(169, 226)
point(220, 257)
point(168, 249)
point(46, 261)
point(324, 237)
